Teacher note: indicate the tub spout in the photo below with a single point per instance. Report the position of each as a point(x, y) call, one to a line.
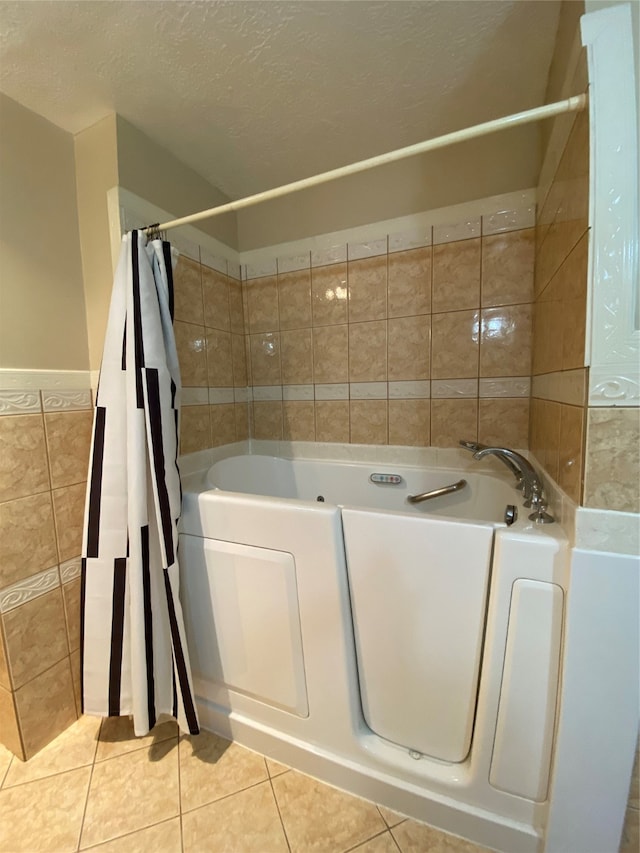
point(474, 447)
point(532, 482)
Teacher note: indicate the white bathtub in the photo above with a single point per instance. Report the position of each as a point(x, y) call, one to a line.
point(408, 653)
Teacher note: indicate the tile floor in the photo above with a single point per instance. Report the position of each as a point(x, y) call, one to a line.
point(98, 787)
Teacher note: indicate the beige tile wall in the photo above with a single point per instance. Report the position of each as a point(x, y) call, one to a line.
point(210, 338)
point(415, 347)
point(558, 401)
point(44, 451)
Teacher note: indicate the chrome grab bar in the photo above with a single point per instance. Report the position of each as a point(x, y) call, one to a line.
point(437, 493)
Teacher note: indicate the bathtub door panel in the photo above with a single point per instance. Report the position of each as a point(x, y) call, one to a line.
point(418, 595)
point(241, 602)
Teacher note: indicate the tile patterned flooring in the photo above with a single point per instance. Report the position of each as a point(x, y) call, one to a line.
point(98, 787)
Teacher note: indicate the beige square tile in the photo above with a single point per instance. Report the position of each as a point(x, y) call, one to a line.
point(68, 442)
point(68, 514)
point(219, 359)
point(118, 738)
point(332, 420)
point(571, 451)
point(4, 668)
point(112, 811)
point(505, 345)
point(265, 359)
point(239, 361)
point(191, 344)
point(212, 767)
point(36, 636)
point(368, 351)
point(549, 436)
point(187, 289)
point(612, 475)
point(504, 422)
point(574, 306)
point(297, 357)
point(416, 837)
point(46, 707)
point(409, 288)
point(247, 822)
point(9, 730)
point(5, 762)
point(75, 747)
point(455, 345)
point(369, 422)
point(71, 596)
point(223, 424)
point(262, 298)
point(164, 837)
point(630, 842)
point(507, 268)
point(452, 420)
point(409, 423)
point(547, 332)
point(329, 295)
point(236, 310)
point(44, 815)
point(298, 418)
point(195, 430)
point(267, 420)
point(28, 538)
point(275, 768)
point(215, 293)
point(456, 276)
point(368, 289)
point(390, 817)
point(241, 411)
point(409, 348)
point(23, 456)
point(331, 354)
point(382, 843)
point(317, 817)
point(294, 299)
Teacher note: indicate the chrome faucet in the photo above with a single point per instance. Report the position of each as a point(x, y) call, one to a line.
point(474, 447)
point(532, 488)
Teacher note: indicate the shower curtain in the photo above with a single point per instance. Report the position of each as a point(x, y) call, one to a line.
point(134, 658)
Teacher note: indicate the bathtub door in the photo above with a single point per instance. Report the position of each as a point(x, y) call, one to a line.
point(418, 595)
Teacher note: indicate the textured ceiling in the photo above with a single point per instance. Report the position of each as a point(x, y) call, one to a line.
point(254, 94)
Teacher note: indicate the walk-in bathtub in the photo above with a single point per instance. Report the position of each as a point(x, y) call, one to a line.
point(406, 652)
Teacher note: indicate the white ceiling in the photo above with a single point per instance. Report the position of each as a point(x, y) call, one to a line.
point(255, 94)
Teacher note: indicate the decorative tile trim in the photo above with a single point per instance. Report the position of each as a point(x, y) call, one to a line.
point(509, 220)
point(332, 391)
point(297, 392)
point(267, 392)
point(505, 386)
point(457, 231)
point(218, 396)
point(242, 395)
point(330, 255)
point(368, 391)
point(47, 380)
point(370, 249)
point(70, 570)
point(611, 387)
point(214, 262)
point(29, 588)
point(416, 238)
point(293, 263)
point(63, 401)
point(259, 269)
point(453, 388)
point(605, 530)
point(19, 402)
point(565, 386)
point(419, 389)
point(194, 396)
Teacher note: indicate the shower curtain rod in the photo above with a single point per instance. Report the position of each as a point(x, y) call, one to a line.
point(574, 104)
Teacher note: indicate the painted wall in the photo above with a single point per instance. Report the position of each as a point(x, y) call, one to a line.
point(42, 320)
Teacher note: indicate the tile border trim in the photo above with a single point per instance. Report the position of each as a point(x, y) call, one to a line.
point(29, 588)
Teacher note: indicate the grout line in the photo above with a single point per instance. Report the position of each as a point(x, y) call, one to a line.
point(367, 840)
point(394, 838)
point(6, 772)
point(284, 830)
point(226, 796)
point(128, 834)
point(86, 800)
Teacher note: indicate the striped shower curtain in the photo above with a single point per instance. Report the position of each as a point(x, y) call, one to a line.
point(134, 658)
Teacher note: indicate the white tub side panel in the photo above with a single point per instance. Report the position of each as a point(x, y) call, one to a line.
point(418, 593)
point(241, 607)
point(524, 733)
